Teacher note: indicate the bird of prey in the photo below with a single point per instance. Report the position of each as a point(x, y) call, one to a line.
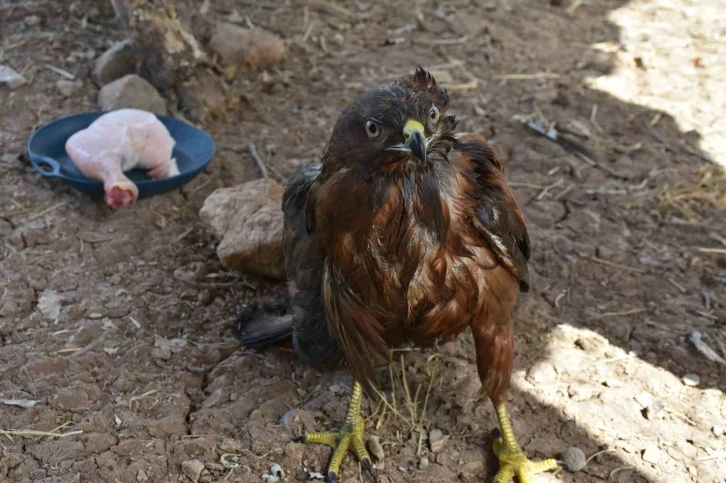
point(404, 232)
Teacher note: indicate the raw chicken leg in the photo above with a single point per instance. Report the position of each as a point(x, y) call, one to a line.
point(118, 142)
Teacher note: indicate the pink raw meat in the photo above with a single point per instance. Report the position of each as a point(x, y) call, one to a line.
point(118, 142)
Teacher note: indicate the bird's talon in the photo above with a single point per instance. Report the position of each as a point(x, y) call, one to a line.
point(349, 437)
point(371, 471)
point(512, 460)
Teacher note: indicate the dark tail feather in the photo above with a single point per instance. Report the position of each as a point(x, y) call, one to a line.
point(263, 324)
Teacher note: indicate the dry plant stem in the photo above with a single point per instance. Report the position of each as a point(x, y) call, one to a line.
point(32, 432)
point(256, 157)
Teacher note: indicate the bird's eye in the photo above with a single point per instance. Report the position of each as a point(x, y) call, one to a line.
point(434, 114)
point(373, 129)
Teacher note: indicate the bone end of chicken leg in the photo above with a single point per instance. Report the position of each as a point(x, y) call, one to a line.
point(121, 194)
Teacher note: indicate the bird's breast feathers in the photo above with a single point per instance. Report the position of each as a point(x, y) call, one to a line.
point(424, 278)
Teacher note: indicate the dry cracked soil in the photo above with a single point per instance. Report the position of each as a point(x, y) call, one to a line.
point(120, 324)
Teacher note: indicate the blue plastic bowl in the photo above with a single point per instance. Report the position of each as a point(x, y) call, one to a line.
point(193, 151)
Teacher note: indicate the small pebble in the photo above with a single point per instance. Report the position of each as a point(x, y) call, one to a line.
point(573, 459)
point(192, 469)
point(437, 440)
point(211, 466)
point(542, 373)
point(653, 455)
point(644, 399)
point(32, 20)
point(376, 448)
point(717, 431)
point(67, 88)
point(423, 463)
point(653, 411)
point(691, 380)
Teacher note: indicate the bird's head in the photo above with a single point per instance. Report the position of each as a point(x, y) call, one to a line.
point(398, 124)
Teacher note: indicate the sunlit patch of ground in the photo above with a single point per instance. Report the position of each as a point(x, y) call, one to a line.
point(681, 48)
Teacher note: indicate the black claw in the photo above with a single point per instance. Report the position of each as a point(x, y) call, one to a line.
point(332, 477)
point(369, 467)
point(300, 439)
point(496, 433)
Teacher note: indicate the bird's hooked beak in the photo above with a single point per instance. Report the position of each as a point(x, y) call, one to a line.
point(413, 133)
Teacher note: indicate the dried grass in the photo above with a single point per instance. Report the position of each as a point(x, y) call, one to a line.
point(710, 190)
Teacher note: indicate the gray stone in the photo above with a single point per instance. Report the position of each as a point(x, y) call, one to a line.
point(192, 469)
point(248, 218)
point(131, 91)
point(116, 62)
point(654, 455)
point(68, 88)
point(691, 380)
point(542, 373)
point(11, 78)
point(254, 48)
point(376, 448)
point(437, 440)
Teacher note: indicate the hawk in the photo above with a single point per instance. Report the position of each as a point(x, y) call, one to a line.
point(406, 231)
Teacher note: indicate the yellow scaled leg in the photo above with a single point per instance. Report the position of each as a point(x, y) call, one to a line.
point(512, 460)
point(349, 437)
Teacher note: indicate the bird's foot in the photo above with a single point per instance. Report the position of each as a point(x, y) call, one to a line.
point(349, 437)
point(513, 462)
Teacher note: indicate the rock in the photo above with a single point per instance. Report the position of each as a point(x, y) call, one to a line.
point(253, 48)
point(717, 431)
point(31, 20)
point(542, 373)
point(9, 309)
point(248, 219)
point(230, 446)
point(49, 304)
point(141, 477)
point(213, 399)
point(654, 455)
point(573, 459)
point(211, 466)
point(644, 398)
point(653, 411)
point(11, 78)
point(131, 91)
point(376, 448)
point(423, 463)
point(171, 425)
point(581, 393)
point(116, 62)
point(298, 421)
point(691, 380)
point(68, 88)
point(207, 96)
point(164, 348)
point(437, 440)
point(192, 469)
point(601, 57)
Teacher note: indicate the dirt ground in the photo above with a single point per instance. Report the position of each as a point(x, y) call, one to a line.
point(133, 352)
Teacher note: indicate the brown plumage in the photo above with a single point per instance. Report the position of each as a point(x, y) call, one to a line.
point(411, 250)
point(405, 231)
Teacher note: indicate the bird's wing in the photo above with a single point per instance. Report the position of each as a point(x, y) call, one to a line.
point(304, 264)
point(497, 215)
